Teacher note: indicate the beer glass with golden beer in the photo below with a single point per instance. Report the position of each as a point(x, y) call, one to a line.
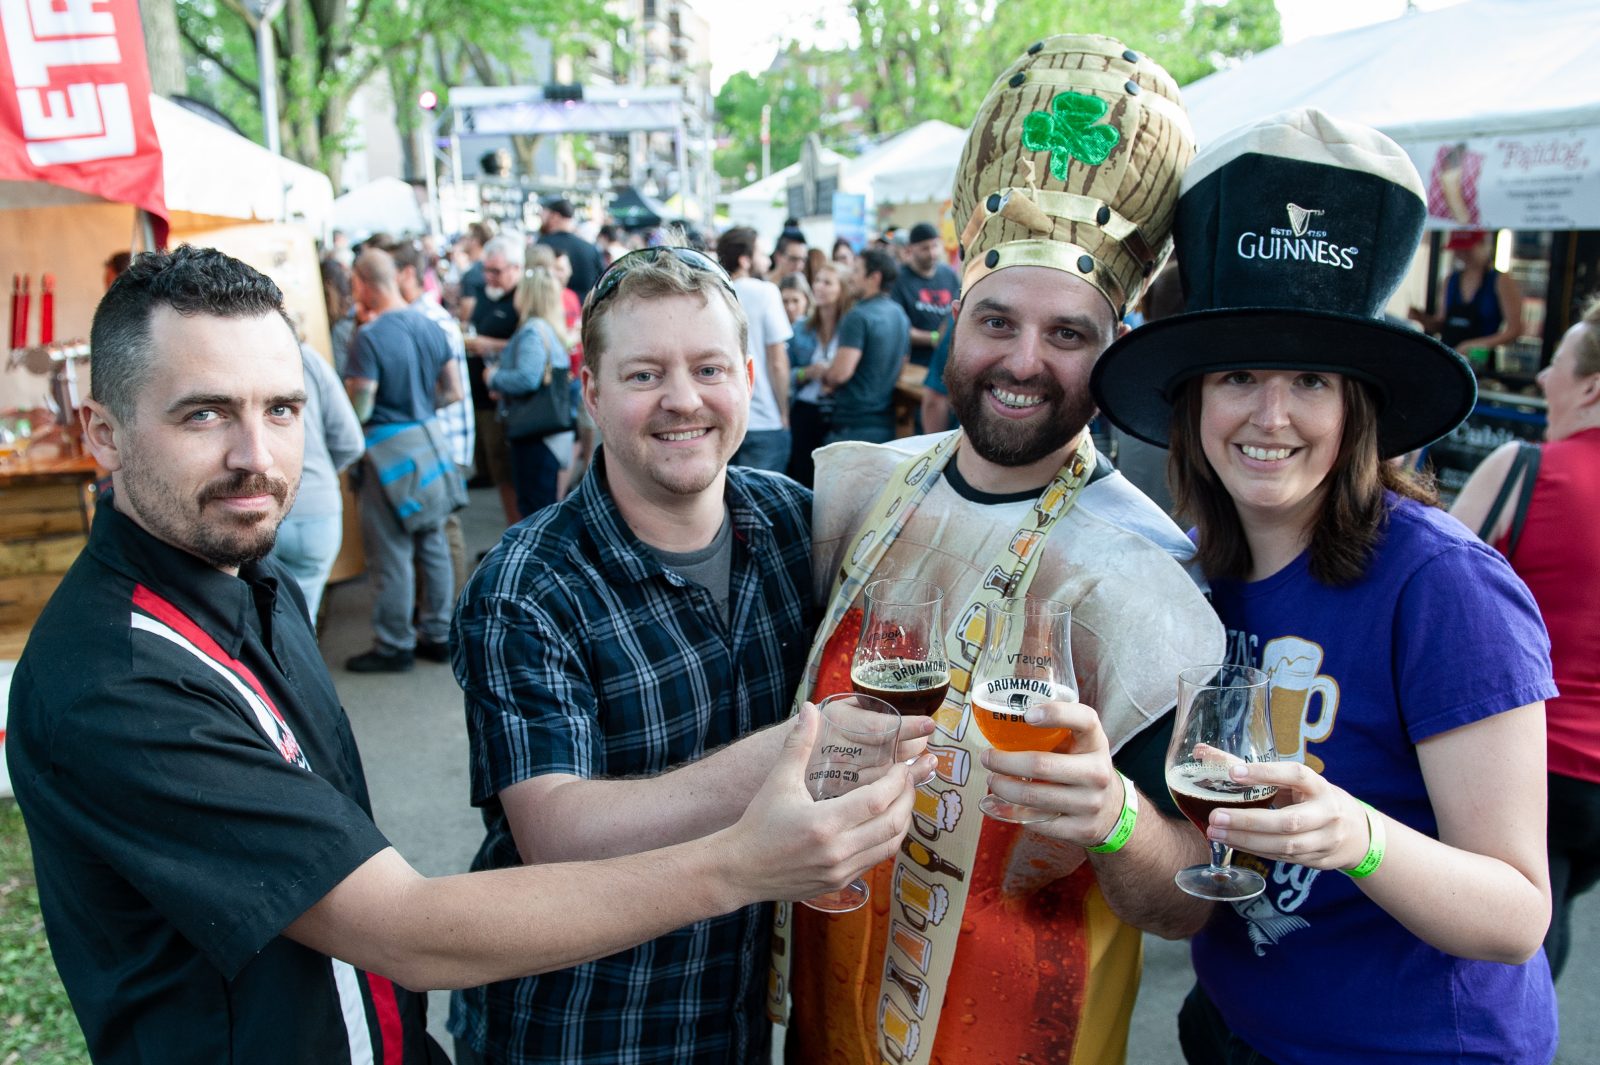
point(854, 746)
point(1223, 719)
point(1026, 659)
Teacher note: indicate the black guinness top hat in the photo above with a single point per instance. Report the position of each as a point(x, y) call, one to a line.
point(1292, 233)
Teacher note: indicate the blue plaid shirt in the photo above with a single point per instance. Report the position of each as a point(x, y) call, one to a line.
point(580, 653)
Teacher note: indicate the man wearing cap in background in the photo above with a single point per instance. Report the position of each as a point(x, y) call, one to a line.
point(1482, 308)
point(557, 231)
point(987, 942)
point(925, 290)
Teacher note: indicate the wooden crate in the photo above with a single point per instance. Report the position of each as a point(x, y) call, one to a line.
point(45, 508)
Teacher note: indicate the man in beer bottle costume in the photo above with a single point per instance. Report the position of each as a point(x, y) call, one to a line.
point(1065, 192)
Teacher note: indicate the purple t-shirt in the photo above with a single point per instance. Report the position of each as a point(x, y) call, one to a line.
point(1440, 633)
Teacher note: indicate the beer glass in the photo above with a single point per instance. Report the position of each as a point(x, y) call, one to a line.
point(900, 656)
point(1223, 718)
point(1026, 659)
point(855, 746)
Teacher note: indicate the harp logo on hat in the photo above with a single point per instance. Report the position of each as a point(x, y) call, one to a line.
point(1300, 218)
point(1298, 243)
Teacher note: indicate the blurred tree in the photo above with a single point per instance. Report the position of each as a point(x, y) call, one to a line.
point(328, 49)
point(796, 112)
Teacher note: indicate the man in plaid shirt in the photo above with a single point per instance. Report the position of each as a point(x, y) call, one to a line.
point(622, 654)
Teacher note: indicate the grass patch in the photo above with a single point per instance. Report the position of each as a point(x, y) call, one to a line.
point(37, 1026)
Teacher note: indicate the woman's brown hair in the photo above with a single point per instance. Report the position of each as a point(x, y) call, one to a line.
point(1354, 513)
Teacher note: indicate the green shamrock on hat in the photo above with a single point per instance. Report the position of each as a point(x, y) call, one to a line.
point(1069, 131)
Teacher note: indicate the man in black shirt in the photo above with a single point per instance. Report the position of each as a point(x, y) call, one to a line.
point(494, 319)
point(558, 232)
point(213, 885)
point(925, 289)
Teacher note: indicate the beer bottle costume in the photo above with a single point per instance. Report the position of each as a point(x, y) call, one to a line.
point(1071, 166)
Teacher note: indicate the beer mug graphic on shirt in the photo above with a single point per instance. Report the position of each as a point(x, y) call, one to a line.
point(922, 903)
point(1292, 663)
point(934, 812)
point(953, 764)
point(916, 946)
point(902, 1034)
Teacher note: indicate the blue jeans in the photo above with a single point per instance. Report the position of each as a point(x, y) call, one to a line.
point(763, 449)
point(533, 471)
point(308, 547)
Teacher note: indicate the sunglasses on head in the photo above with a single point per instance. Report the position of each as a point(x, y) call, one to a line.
point(694, 260)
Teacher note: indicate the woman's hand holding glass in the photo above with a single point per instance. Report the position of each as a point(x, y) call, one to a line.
point(1312, 822)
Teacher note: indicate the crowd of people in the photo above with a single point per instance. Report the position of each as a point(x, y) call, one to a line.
point(697, 456)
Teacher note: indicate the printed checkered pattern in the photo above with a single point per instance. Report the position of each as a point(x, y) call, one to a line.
point(579, 653)
point(456, 420)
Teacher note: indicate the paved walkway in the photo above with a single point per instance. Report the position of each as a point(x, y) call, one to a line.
point(413, 740)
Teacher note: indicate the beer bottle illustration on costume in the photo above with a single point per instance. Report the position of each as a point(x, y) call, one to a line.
point(929, 859)
point(1298, 691)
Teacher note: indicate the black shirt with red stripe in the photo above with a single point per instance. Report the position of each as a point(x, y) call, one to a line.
point(191, 786)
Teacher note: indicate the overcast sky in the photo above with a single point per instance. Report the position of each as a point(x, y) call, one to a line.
point(745, 35)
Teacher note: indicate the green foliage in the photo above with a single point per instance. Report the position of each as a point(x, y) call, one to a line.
point(37, 1025)
point(796, 113)
point(936, 59)
point(328, 49)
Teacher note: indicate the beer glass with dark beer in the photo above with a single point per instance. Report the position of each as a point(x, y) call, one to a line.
point(900, 655)
point(854, 746)
point(1026, 659)
point(1223, 719)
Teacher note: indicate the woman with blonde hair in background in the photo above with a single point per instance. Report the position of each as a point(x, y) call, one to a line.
point(808, 414)
point(540, 344)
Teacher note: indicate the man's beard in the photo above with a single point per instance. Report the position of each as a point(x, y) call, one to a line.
point(492, 293)
point(1012, 443)
point(226, 543)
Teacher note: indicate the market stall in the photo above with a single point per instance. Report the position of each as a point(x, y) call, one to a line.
point(91, 164)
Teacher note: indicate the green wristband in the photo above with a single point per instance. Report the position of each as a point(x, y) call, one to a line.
point(1375, 846)
point(1122, 831)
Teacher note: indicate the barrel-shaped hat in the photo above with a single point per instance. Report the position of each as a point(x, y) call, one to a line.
point(1073, 163)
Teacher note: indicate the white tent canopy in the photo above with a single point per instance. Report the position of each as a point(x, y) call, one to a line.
point(1513, 82)
point(882, 174)
point(387, 205)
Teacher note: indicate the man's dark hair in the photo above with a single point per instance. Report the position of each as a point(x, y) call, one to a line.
point(874, 261)
point(737, 243)
point(192, 281)
point(408, 253)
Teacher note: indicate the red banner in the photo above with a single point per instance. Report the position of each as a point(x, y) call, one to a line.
point(75, 101)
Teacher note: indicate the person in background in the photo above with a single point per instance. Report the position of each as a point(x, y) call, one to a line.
point(1482, 306)
point(805, 416)
point(311, 534)
point(115, 264)
point(541, 340)
point(935, 412)
point(457, 420)
point(611, 243)
point(844, 253)
point(341, 310)
point(766, 442)
point(1282, 393)
point(809, 413)
point(559, 231)
point(471, 248)
point(1140, 461)
point(789, 256)
point(1555, 548)
point(874, 338)
point(400, 372)
point(494, 319)
point(925, 288)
